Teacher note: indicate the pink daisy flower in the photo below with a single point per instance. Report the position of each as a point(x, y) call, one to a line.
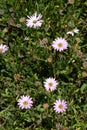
point(50, 84)
point(60, 106)
point(25, 102)
point(3, 48)
point(60, 44)
point(34, 21)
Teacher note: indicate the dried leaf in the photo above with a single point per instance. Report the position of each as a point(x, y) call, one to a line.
point(1, 12)
point(11, 22)
point(37, 83)
point(22, 19)
point(50, 59)
point(43, 42)
point(84, 74)
point(18, 25)
point(71, 1)
point(5, 30)
point(17, 76)
point(11, 9)
point(45, 105)
point(78, 40)
point(84, 65)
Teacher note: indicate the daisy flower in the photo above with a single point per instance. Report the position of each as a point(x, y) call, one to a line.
point(60, 106)
point(34, 21)
point(25, 102)
point(3, 48)
point(60, 44)
point(75, 30)
point(50, 84)
point(71, 33)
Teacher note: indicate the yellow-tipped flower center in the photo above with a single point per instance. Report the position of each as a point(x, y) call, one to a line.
point(25, 102)
point(60, 45)
point(60, 106)
point(50, 84)
point(34, 21)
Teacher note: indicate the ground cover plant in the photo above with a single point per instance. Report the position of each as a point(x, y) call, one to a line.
point(43, 65)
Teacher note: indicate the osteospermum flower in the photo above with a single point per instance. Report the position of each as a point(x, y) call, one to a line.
point(34, 21)
point(75, 30)
point(60, 44)
point(60, 106)
point(25, 102)
point(3, 48)
point(70, 33)
point(50, 84)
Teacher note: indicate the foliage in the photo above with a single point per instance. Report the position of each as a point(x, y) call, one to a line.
point(28, 63)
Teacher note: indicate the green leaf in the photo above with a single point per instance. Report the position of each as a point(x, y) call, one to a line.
point(83, 87)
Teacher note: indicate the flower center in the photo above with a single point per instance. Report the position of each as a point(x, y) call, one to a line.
point(60, 45)
point(25, 103)
point(60, 106)
point(72, 30)
point(50, 84)
point(34, 21)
